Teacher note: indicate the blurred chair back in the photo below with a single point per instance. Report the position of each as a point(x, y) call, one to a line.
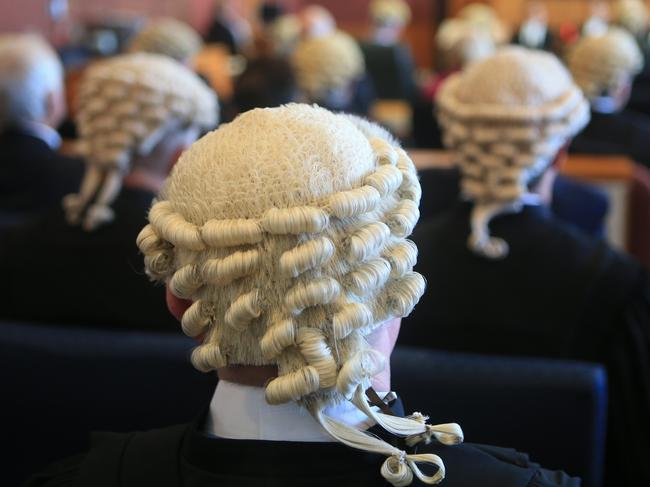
point(59, 384)
point(553, 410)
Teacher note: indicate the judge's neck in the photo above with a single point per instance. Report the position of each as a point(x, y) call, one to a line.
point(142, 179)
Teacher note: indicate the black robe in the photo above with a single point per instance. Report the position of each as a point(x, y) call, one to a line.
point(624, 133)
point(33, 177)
point(557, 294)
point(184, 456)
point(580, 204)
point(391, 70)
point(56, 273)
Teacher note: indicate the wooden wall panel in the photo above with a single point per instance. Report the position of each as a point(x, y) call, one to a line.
point(512, 11)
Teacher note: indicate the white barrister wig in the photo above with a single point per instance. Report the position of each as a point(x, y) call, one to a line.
point(598, 63)
point(390, 12)
point(632, 15)
point(507, 117)
point(287, 230)
point(327, 63)
point(169, 37)
point(460, 42)
point(486, 17)
point(126, 106)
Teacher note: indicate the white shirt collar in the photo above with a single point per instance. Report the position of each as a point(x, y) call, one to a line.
point(527, 199)
point(242, 413)
point(43, 132)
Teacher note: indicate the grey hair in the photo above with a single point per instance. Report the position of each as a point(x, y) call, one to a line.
point(30, 70)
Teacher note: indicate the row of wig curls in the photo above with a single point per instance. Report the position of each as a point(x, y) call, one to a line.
point(394, 175)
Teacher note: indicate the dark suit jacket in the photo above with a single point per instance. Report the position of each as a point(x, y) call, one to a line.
point(33, 177)
point(57, 273)
point(391, 70)
point(184, 456)
point(574, 202)
point(625, 133)
point(557, 294)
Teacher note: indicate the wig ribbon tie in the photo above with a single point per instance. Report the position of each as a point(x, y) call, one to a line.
point(399, 468)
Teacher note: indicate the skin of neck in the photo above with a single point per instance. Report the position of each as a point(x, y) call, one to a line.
point(382, 339)
point(55, 109)
point(544, 186)
point(150, 171)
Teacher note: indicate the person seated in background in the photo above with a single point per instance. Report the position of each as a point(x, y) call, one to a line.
point(504, 276)
point(266, 82)
point(597, 21)
point(388, 61)
point(136, 113)
point(458, 44)
point(33, 175)
point(634, 17)
point(283, 35)
point(168, 37)
point(485, 17)
point(604, 67)
point(229, 27)
point(330, 72)
point(269, 273)
point(534, 32)
point(316, 21)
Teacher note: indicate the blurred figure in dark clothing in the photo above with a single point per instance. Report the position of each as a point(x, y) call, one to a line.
point(266, 82)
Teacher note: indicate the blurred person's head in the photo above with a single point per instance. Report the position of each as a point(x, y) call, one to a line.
point(389, 17)
point(281, 238)
point(631, 15)
point(136, 112)
point(534, 28)
point(460, 43)
point(284, 34)
point(604, 67)
point(317, 21)
point(168, 37)
point(486, 17)
point(327, 68)
point(508, 119)
point(31, 82)
point(266, 82)
point(597, 22)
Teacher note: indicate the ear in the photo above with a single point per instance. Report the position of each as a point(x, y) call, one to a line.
point(561, 156)
point(55, 108)
point(176, 306)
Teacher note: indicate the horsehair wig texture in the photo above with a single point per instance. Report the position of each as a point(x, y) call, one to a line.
point(327, 63)
point(390, 12)
point(168, 37)
point(126, 106)
point(598, 62)
point(277, 190)
point(506, 118)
